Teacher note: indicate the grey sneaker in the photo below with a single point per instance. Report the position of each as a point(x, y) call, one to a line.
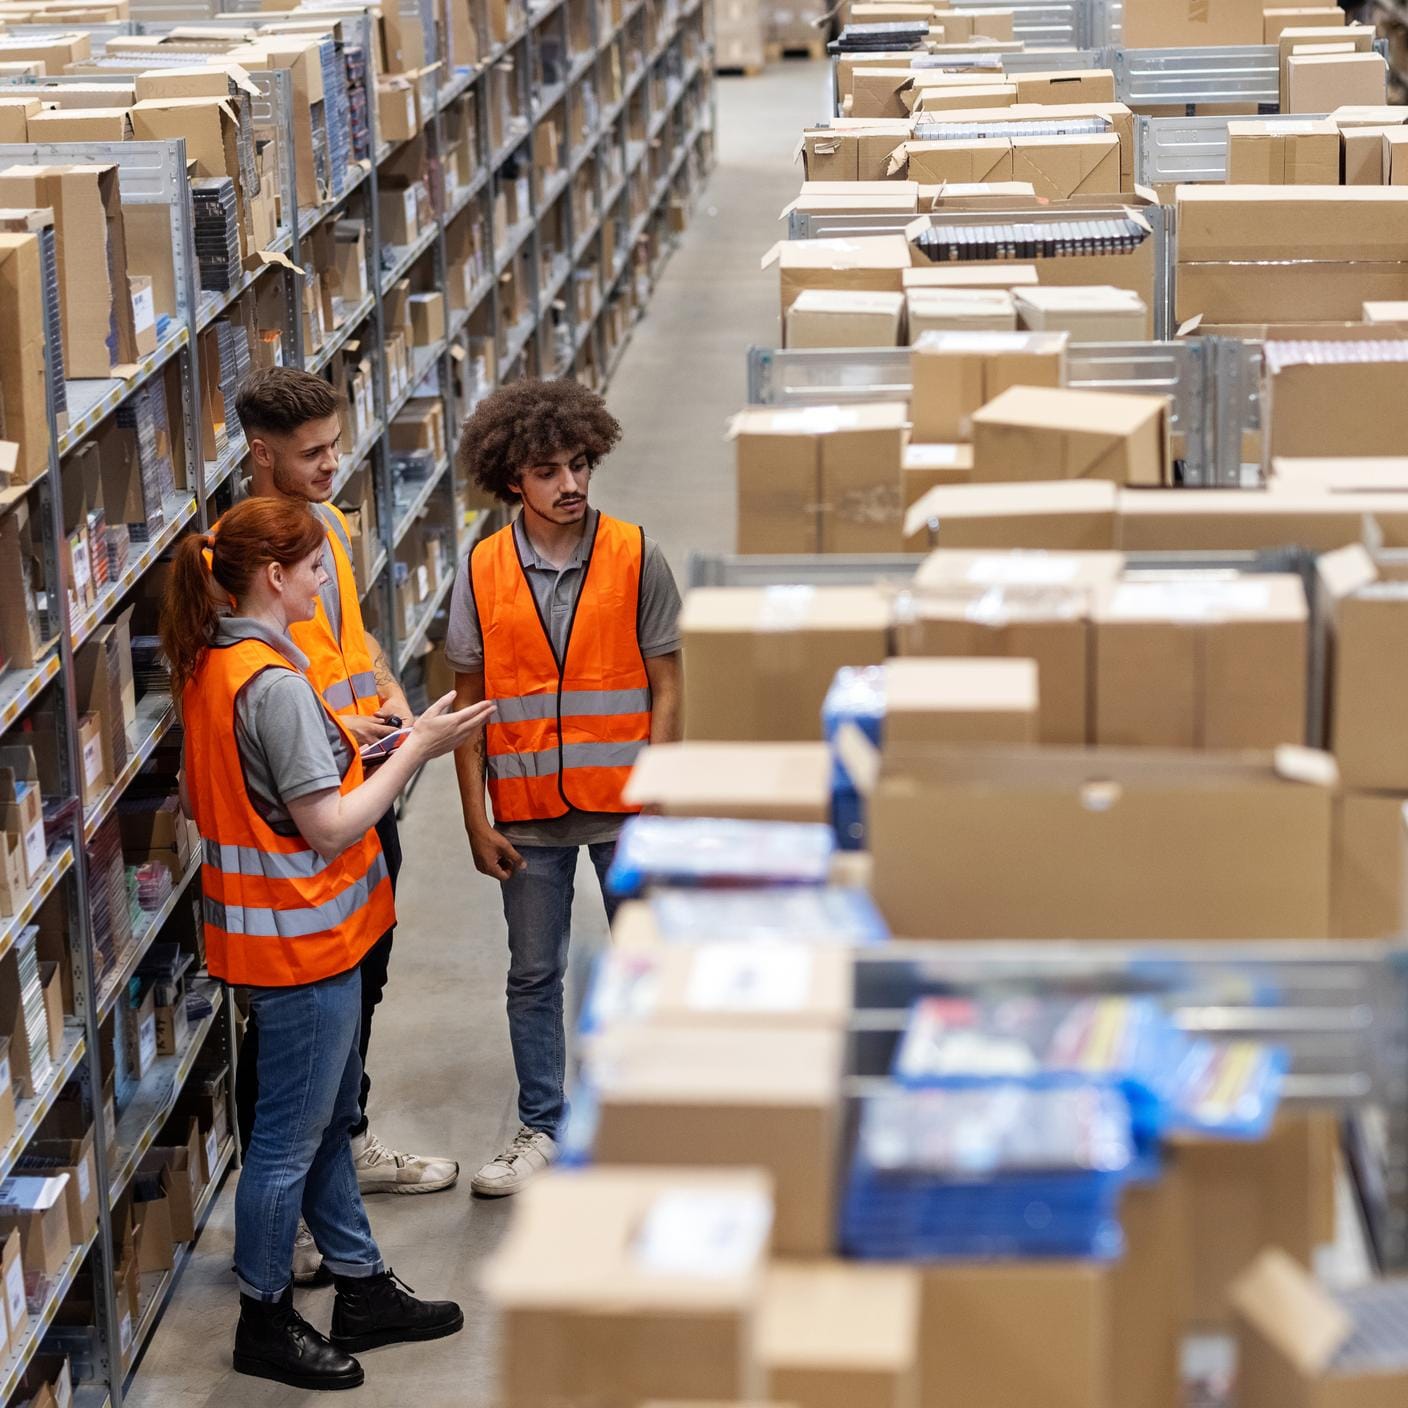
point(307, 1259)
point(531, 1151)
point(383, 1170)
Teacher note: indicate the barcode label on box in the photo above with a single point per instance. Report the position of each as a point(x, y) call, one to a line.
point(146, 1041)
point(422, 581)
point(6, 1081)
point(124, 1330)
point(750, 978)
point(92, 761)
point(34, 853)
point(1022, 570)
point(703, 1233)
point(14, 1290)
point(212, 1152)
point(85, 1182)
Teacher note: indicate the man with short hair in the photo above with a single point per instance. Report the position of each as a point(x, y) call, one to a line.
point(292, 422)
point(569, 620)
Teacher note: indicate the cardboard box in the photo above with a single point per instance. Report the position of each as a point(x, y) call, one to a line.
point(1295, 1341)
point(399, 211)
point(1303, 291)
point(845, 318)
point(22, 383)
point(1080, 85)
point(763, 659)
point(7, 1095)
point(970, 276)
point(1364, 611)
point(15, 113)
point(1156, 520)
point(840, 1335)
point(1146, 1332)
point(751, 781)
point(731, 1097)
point(1196, 662)
point(1362, 156)
point(1352, 475)
point(870, 262)
point(143, 313)
point(1251, 223)
point(1323, 82)
point(938, 163)
point(151, 1232)
point(98, 326)
point(1070, 516)
point(729, 983)
point(926, 467)
point(953, 374)
point(856, 198)
point(960, 310)
point(1019, 605)
point(941, 98)
point(663, 1269)
point(983, 842)
point(22, 807)
point(948, 701)
point(1096, 314)
point(1033, 432)
point(53, 52)
point(73, 1158)
point(1013, 1334)
point(1367, 885)
point(53, 1007)
point(1283, 153)
point(80, 125)
point(1357, 411)
point(1281, 18)
point(1064, 168)
point(38, 1209)
point(16, 1305)
point(1245, 1197)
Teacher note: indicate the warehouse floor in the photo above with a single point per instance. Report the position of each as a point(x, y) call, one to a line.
point(443, 1080)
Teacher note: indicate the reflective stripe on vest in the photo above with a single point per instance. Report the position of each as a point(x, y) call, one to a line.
point(566, 733)
point(339, 662)
point(276, 912)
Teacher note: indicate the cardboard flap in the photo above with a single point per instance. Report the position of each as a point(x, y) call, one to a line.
point(1187, 329)
point(916, 227)
point(272, 256)
point(1307, 765)
point(1347, 570)
point(1281, 1301)
point(772, 256)
point(859, 756)
point(897, 161)
point(798, 150)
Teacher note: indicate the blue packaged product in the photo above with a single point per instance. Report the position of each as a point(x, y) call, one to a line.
point(707, 851)
point(856, 696)
point(998, 1169)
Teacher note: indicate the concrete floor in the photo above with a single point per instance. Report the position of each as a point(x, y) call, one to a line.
point(443, 1079)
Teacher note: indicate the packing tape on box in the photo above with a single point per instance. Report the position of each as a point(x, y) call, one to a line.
point(785, 608)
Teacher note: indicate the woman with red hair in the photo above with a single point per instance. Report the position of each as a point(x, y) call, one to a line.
point(295, 890)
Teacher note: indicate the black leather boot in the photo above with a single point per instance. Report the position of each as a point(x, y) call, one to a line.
point(374, 1310)
point(273, 1341)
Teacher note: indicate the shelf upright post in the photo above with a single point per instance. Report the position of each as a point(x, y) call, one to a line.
point(442, 263)
point(81, 945)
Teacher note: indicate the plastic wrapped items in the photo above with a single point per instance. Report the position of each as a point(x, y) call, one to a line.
point(808, 916)
point(663, 850)
point(856, 696)
point(1000, 1169)
point(1171, 1081)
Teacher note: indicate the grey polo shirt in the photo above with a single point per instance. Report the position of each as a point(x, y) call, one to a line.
point(288, 746)
point(556, 591)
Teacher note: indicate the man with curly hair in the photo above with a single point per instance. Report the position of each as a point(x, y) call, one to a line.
point(569, 620)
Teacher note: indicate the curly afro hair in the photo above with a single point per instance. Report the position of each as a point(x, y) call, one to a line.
point(525, 423)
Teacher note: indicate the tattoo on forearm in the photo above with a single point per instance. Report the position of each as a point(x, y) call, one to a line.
point(381, 668)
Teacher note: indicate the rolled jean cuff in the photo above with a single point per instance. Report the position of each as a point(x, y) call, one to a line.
point(254, 1293)
point(355, 1270)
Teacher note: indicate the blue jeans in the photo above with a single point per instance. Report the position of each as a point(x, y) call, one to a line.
point(538, 907)
point(299, 1158)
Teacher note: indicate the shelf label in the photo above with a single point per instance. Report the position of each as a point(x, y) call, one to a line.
point(85, 1184)
point(5, 1080)
point(124, 1330)
point(212, 1154)
point(422, 581)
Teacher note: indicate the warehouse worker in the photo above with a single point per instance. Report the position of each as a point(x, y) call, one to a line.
point(295, 890)
point(569, 621)
point(291, 421)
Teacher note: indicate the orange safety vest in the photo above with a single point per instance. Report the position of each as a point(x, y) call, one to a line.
point(276, 913)
point(340, 665)
point(566, 732)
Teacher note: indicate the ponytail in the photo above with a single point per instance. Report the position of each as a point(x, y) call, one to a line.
point(209, 571)
point(191, 611)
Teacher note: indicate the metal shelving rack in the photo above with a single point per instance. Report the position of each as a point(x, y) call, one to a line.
point(155, 173)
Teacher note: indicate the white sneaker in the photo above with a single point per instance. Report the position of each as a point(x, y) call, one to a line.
point(531, 1152)
point(307, 1259)
point(383, 1170)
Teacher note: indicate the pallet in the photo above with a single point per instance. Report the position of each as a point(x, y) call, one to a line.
point(738, 70)
point(812, 49)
